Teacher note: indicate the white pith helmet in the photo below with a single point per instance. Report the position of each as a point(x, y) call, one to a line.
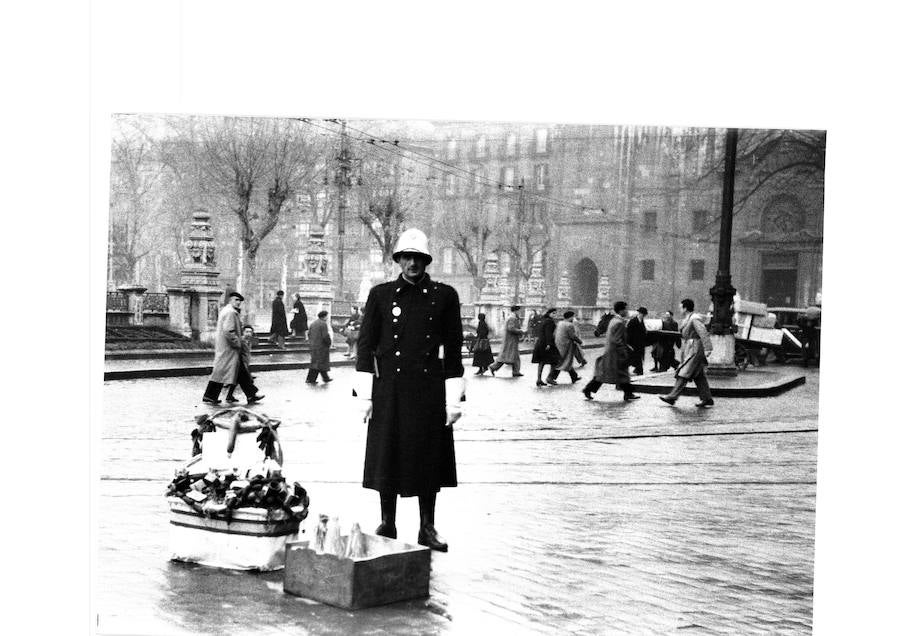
point(412, 241)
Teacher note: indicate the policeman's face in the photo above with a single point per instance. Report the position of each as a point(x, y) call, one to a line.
point(412, 266)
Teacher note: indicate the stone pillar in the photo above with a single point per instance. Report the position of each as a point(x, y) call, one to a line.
point(197, 298)
point(311, 278)
point(603, 300)
point(491, 301)
point(135, 295)
point(534, 295)
point(563, 291)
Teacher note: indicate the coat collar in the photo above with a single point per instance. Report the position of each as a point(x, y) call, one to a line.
point(403, 284)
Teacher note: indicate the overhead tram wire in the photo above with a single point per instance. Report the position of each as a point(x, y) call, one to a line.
point(395, 149)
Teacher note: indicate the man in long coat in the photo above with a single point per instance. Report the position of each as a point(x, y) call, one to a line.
point(566, 339)
point(697, 346)
point(319, 349)
point(509, 353)
point(545, 351)
point(636, 338)
point(227, 367)
point(666, 341)
point(279, 328)
point(409, 364)
point(612, 365)
point(299, 321)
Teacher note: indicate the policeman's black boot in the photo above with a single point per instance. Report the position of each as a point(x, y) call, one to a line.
point(388, 527)
point(428, 535)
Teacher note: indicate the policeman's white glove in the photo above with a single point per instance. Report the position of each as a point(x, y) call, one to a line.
point(455, 389)
point(362, 388)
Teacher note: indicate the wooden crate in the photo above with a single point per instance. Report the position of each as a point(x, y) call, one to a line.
point(393, 571)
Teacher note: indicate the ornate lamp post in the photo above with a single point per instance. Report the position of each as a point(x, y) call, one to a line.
point(721, 362)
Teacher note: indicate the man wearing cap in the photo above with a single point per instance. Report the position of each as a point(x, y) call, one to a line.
point(227, 367)
point(566, 340)
point(279, 328)
point(612, 365)
point(409, 368)
point(636, 338)
point(509, 353)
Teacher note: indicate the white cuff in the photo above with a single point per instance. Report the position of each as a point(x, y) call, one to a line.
point(362, 385)
point(455, 389)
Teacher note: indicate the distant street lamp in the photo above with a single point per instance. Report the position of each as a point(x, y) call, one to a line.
point(721, 362)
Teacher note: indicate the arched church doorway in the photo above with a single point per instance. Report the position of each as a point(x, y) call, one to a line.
point(584, 288)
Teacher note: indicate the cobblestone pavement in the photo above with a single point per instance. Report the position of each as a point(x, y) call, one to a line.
point(570, 517)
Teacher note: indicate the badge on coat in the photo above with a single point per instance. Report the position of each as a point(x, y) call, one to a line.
point(396, 311)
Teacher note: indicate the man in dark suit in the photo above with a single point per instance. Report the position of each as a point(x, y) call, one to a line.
point(636, 337)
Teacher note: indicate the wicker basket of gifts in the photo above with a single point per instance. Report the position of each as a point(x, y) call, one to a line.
point(230, 506)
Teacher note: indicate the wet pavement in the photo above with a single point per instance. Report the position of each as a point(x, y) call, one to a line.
point(570, 517)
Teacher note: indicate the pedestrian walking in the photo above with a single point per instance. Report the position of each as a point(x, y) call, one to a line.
point(636, 338)
point(603, 324)
point(533, 327)
point(577, 350)
point(319, 349)
point(410, 367)
point(279, 328)
point(227, 368)
point(811, 330)
point(545, 351)
point(483, 356)
point(697, 346)
point(566, 339)
point(667, 339)
point(299, 321)
point(350, 331)
point(246, 349)
point(612, 365)
point(509, 353)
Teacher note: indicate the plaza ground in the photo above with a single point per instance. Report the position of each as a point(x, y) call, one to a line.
point(570, 516)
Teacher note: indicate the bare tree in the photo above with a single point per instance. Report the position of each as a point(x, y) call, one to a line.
point(471, 230)
point(524, 234)
point(133, 206)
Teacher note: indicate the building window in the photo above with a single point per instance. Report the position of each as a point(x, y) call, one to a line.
point(507, 175)
point(648, 269)
point(540, 140)
point(447, 260)
point(541, 176)
point(481, 147)
point(698, 269)
point(511, 145)
point(649, 221)
point(701, 220)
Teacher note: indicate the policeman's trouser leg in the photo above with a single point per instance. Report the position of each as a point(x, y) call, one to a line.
point(703, 386)
point(388, 508)
point(680, 383)
point(213, 389)
point(426, 508)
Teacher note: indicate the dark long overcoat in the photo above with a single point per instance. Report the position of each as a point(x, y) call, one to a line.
point(636, 338)
point(319, 346)
point(545, 351)
point(612, 365)
point(228, 346)
point(406, 329)
point(279, 319)
point(483, 355)
point(299, 321)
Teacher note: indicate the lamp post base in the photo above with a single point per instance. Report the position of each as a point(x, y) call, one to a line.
point(721, 360)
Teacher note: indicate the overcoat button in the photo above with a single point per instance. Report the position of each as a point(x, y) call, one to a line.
point(396, 353)
point(396, 336)
point(395, 320)
point(427, 336)
point(398, 369)
point(398, 289)
point(424, 291)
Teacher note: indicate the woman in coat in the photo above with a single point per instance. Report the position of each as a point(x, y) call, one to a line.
point(545, 351)
point(483, 356)
point(509, 354)
point(612, 365)
point(299, 321)
point(566, 340)
point(319, 350)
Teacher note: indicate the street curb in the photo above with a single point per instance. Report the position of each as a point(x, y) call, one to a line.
point(765, 390)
